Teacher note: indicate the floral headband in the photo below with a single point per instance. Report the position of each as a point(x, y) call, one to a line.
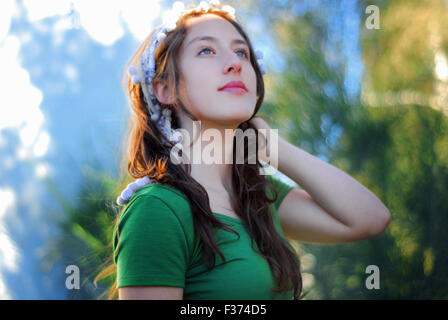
point(144, 72)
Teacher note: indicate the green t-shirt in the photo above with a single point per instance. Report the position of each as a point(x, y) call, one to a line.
point(158, 247)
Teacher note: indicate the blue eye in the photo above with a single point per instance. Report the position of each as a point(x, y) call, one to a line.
point(246, 54)
point(208, 49)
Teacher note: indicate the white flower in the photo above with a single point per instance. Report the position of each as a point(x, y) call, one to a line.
point(133, 186)
point(143, 181)
point(161, 36)
point(176, 137)
point(229, 9)
point(127, 194)
point(203, 6)
point(262, 68)
point(121, 201)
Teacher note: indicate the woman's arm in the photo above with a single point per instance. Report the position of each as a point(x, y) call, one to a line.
point(334, 208)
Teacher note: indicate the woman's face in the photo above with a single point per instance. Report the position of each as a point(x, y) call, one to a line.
point(208, 65)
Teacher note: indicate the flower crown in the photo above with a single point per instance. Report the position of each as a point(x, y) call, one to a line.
point(144, 71)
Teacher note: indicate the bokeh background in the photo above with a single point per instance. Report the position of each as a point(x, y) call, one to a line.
point(371, 101)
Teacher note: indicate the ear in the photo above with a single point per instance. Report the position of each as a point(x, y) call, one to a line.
point(162, 92)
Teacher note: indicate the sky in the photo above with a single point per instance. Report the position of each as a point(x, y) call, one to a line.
point(50, 75)
point(63, 107)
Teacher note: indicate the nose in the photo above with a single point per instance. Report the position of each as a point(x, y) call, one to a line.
point(234, 63)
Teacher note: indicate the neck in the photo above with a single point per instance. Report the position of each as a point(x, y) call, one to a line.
point(209, 149)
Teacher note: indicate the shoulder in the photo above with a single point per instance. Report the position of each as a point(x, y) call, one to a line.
point(163, 197)
point(157, 206)
point(154, 213)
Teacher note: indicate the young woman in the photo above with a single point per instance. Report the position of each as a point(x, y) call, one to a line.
point(202, 230)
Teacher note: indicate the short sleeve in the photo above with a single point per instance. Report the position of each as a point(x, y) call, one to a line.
point(153, 248)
point(281, 187)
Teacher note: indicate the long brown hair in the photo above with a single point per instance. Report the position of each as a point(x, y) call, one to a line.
point(146, 155)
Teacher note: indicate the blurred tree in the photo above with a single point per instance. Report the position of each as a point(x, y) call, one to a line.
point(407, 78)
point(394, 141)
point(86, 234)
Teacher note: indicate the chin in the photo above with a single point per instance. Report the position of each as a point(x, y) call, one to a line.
point(235, 118)
point(228, 122)
point(230, 117)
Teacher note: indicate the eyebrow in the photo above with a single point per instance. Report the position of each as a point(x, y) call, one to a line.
point(213, 39)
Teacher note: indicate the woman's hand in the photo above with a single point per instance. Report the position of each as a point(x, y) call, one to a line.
point(259, 123)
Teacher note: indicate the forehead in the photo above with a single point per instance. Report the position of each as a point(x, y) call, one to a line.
point(212, 25)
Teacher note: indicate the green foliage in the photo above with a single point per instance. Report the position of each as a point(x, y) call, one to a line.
point(396, 148)
point(86, 233)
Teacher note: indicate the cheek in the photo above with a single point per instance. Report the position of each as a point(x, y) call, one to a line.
point(197, 95)
point(252, 83)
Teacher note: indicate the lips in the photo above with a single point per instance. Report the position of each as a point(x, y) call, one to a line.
point(234, 84)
